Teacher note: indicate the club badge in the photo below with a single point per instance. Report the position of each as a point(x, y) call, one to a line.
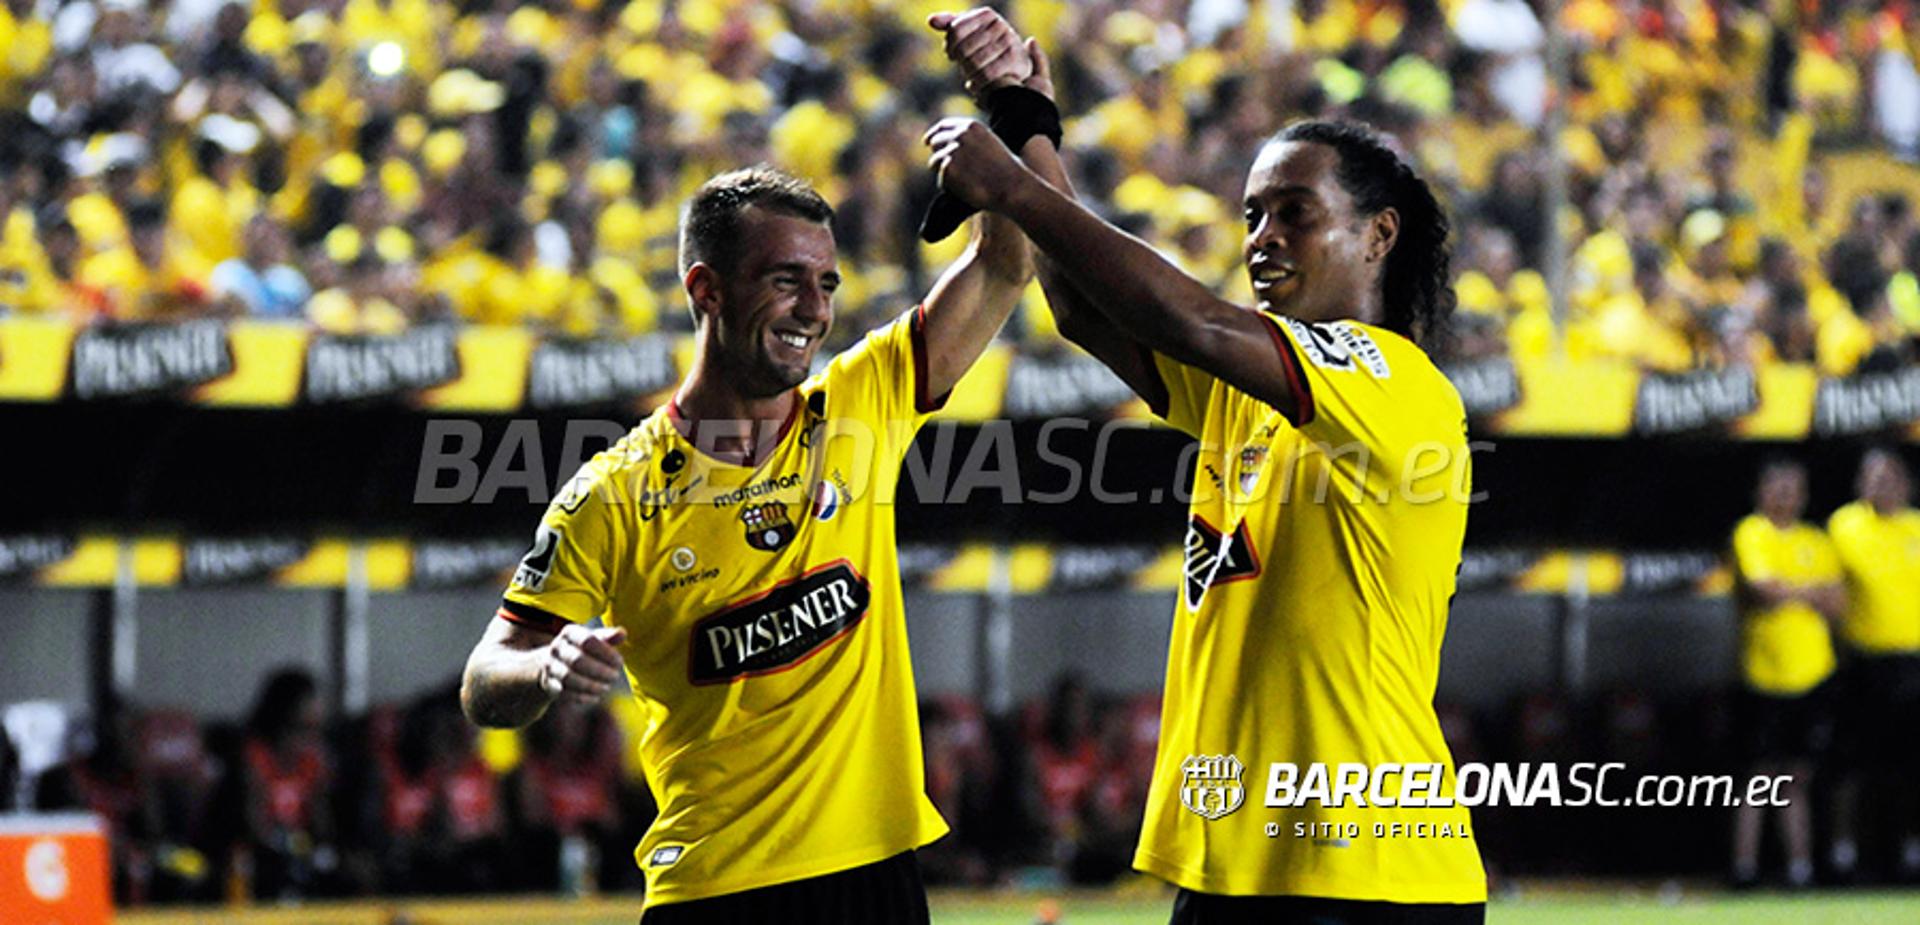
point(1210, 785)
point(769, 529)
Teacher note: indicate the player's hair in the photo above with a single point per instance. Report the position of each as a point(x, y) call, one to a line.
point(1416, 289)
point(710, 227)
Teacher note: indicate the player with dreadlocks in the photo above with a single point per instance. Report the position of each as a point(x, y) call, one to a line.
point(1329, 506)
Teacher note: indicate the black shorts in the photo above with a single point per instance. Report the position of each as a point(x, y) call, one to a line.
point(1190, 908)
point(888, 892)
point(1783, 728)
point(1880, 705)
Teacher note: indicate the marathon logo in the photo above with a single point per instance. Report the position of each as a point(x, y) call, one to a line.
point(756, 489)
point(115, 361)
point(351, 368)
point(779, 628)
point(1214, 560)
point(1486, 387)
point(1866, 404)
point(1067, 385)
point(1672, 404)
point(572, 373)
point(23, 555)
point(213, 562)
point(445, 564)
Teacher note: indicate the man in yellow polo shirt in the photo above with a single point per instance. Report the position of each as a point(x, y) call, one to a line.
point(1878, 540)
point(1789, 587)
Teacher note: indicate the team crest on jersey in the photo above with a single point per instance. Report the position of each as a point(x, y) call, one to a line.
point(1252, 457)
point(1213, 559)
point(1210, 785)
point(768, 527)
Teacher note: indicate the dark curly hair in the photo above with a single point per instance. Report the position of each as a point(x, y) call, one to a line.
point(1416, 287)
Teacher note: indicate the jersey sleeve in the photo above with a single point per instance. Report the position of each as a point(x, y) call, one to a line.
point(569, 574)
point(1189, 392)
point(883, 379)
point(1340, 380)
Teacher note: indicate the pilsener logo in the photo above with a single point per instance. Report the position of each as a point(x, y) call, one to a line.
point(1210, 785)
point(778, 628)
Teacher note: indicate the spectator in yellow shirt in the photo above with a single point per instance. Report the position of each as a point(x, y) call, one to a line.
point(1788, 584)
point(150, 279)
point(1878, 538)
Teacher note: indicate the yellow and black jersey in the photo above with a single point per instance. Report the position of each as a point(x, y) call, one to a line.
point(1785, 649)
point(766, 641)
point(1881, 555)
point(1322, 545)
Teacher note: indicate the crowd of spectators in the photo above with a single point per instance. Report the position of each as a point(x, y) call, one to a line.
point(367, 165)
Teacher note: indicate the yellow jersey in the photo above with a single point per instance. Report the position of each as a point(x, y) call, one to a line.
point(1785, 650)
point(1322, 545)
point(766, 640)
point(1881, 556)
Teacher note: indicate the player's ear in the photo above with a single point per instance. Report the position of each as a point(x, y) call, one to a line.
point(702, 283)
point(1382, 230)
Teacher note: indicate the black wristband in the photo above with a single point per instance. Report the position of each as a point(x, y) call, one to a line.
point(1015, 114)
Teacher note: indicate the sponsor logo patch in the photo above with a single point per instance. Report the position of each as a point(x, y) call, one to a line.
point(538, 563)
point(666, 855)
point(826, 501)
point(779, 628)
point(1213, 559)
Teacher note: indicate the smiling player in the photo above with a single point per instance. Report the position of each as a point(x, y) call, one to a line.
point(739, 547)
point(1311, 623)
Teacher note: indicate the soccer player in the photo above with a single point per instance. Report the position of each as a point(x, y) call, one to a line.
point(739, 549)
point(1878, 539)
point(1789, 587)
point(1328, 512)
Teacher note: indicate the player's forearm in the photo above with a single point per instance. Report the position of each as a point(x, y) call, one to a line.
point(1149, 298)
point(971, 302)
point(1072, 314)
point(501, 688)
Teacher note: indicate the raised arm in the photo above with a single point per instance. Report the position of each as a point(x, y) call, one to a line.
point(990, 55)
point(971, 301)
point(1148, 298)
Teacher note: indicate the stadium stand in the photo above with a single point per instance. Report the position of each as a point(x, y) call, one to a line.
point(1670, 215)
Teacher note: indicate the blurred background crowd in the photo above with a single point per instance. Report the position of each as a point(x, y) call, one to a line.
point(409, 799)
point(1641, 180)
